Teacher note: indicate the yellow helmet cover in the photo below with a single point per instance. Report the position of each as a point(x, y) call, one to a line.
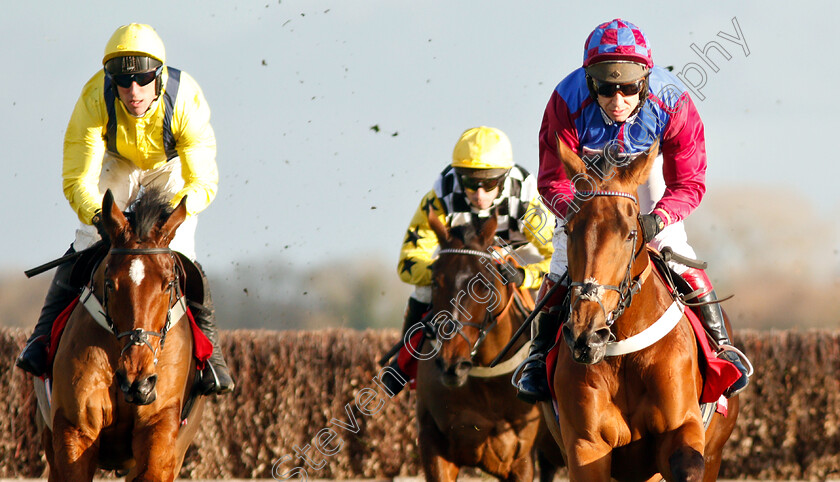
point(483, 148)
point(135, 39)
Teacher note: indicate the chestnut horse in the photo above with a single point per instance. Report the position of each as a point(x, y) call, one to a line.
point(118, 392)
point(468, 413)
point(624, 413)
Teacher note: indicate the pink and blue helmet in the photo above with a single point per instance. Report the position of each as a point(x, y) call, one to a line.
point(615, 43)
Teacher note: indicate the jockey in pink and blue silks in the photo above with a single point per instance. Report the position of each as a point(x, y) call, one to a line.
point(616, 106)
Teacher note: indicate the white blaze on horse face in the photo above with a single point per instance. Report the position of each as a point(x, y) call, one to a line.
point(137, 271)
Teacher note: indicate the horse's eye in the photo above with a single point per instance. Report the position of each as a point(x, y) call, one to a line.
point(566, 229)
point(631, 236)
point(109, 284)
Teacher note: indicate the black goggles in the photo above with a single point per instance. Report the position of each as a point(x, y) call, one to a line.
point(473, 184)
point(607, 89)
point(142, 78)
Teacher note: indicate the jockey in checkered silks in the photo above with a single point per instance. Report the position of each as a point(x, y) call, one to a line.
point(138, 124)
point(616, 106)
point(481, 180)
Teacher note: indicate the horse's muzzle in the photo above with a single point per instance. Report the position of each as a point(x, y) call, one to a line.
point(453, 375)
point(141, 391)
point(589, 347)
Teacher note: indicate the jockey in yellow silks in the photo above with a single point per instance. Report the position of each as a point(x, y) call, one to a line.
point(138, 123)
point(481, 180)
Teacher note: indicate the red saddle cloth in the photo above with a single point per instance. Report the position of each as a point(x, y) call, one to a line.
point(718, 374)
point(202, 348)
point(408, 362)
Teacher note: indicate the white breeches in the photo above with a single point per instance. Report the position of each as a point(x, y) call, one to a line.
point(127, 181)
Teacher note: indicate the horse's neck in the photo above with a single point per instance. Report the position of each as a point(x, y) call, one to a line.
point(507, 322)
point(647, 306)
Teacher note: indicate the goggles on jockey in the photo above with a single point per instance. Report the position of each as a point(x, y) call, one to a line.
point(472, 183)
point(142, 78)
point(607, 89)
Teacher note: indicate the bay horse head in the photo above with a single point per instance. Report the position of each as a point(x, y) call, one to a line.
point(139, 284)
point(606, 250)
point(468, 295)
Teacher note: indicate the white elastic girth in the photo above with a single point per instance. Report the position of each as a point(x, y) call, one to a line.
point(650, 335)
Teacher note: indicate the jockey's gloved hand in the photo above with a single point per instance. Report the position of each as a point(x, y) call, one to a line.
point(511, 273)
point(96, 221)
point(652, 225)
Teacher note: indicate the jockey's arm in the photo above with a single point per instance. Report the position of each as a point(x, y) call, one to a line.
point(684, 163)
point(84, 146)
point(538, 226)
point(196, 145)
point(420, 243)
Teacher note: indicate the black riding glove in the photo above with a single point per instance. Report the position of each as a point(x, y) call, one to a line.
point(512, 274)
point(652, 225)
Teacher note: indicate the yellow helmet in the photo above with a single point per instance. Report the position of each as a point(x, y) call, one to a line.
point(135, 39)
point(483, 148)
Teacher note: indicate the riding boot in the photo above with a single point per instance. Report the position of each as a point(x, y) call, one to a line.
point(60, 294)
point(215, 378)
point(414, 312)
point(711, 315)
point(532, 386)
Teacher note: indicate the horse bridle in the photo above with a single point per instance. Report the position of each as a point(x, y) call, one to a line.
point(139, 336)
point(483, 328)
point(629, 286)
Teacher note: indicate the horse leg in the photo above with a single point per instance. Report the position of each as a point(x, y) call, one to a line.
point(547, 468)
point(686, 464)
point(73, 452)
point(716, 436)
point(681, 453)
point(46, 441)
point(435, 466)
point(154, 448)
point(588, 461)
point(522, 469)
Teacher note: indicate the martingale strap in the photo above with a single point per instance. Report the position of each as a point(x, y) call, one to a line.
point(97, 312)
point(649, 335)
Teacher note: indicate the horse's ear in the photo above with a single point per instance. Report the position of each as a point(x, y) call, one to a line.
point(112, 217)
point(571, 161)
point(636, 173)
point(438, 227)
point(167, 231)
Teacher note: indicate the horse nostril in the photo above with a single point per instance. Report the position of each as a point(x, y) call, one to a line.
point(600, 337)
point(149, 383)
point(122, 381)
point(462, 368)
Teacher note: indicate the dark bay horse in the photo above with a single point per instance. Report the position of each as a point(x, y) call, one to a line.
point(631, 414)
point(467, 413)
point(118, 389)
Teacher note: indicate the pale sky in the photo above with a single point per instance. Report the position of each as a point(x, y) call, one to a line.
point(295, 86)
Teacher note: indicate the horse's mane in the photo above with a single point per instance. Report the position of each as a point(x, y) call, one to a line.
point(149, 209)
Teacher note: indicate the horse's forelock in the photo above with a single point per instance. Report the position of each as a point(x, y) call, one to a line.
point(149, 210)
